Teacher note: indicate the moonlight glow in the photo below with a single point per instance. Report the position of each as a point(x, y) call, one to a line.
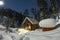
point(1, 3)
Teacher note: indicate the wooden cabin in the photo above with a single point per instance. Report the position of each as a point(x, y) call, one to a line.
point(30, 23)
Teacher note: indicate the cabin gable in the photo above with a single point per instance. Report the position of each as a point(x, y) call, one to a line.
point(29, 25)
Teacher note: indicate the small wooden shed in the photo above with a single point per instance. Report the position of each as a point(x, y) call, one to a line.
point(30, 23)
point(48, 24)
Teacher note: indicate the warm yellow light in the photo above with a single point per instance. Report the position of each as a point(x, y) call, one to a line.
point(1, 3)
point(22, 31)
point(28, 28)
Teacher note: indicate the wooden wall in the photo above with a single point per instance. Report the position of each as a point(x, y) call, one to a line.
point(47, 29)
point(33, 26)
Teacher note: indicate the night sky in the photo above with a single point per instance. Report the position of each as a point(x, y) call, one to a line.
point(20, 5)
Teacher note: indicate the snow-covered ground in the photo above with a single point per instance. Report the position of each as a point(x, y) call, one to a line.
point(38, 34)
point(9, 35)
point(49, 35)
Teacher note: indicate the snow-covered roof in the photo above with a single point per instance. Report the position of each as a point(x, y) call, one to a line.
point(32, 20)
point(47, 23)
